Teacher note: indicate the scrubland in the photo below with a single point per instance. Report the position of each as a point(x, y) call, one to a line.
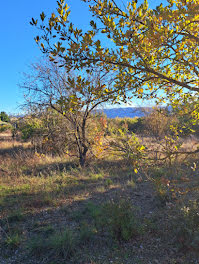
point(141, 207)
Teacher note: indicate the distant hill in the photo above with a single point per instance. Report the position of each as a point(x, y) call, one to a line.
point(126, 112)
point(115, 112)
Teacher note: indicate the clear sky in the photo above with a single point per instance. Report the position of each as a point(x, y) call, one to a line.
point(17, 46)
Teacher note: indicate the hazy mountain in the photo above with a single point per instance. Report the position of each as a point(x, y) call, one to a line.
point(125, 112)
point(116, 112)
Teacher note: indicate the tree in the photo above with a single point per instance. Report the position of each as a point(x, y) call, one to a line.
point(72, 95)
point(149, 49)
point(4, 117)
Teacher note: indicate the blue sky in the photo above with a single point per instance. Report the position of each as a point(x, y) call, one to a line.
point(17, 45)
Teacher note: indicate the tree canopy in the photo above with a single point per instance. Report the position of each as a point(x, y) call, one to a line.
point(149, 49)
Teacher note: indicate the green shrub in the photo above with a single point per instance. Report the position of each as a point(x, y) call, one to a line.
point(108, 182)
point(13, 240)
point(15, 216)
point(86, 232)
point(62, 244)
point(93, 210)
point(116, 218)
point(119, 218)
point(30, 128)
point(134, 125)
point(4, 117)
point(96, 176)
point(163, 194)
point(128, 146)
point(186, 227)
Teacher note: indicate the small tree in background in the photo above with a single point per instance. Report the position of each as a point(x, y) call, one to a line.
point(157, 124)
point(71, 95)
point(4, 117)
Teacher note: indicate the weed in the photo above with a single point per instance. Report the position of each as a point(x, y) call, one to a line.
point(61, 244)
point(100, 189)
point(77, 215)
point(48, 229)
point(120, 219)
point(186, 227)
point(108, 183)
point(93, 210)
point(163, 194)
point(158, 172)
point(96, 176)
point(65, 210)
point(15, 216)
point(86, 232)
point(13, 240)
point(131, 184)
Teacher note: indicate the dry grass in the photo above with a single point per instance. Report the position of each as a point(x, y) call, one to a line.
point(10, 144)
point(40, 193)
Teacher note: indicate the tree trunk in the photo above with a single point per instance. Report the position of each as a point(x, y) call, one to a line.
point(82, 157)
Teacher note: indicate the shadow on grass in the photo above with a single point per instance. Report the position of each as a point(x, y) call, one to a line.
point(52, 168)
point(14, 150)
point(71, 189)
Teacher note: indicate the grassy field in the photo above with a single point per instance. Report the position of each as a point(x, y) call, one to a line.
point(53, 211)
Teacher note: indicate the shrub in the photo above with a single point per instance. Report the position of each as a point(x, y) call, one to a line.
point(157, 124)
point(4, 127)
point(162, 190)
point(13, 240)
point(127, 146)
point(16, 216)
point(186, 227)
point(134, 124)
point(117, 218)
point(30, 128)
point(62, 244)
point(108, 182)
point(120, 220)
point(86, 232)
point(4, 117)
point(96, 176)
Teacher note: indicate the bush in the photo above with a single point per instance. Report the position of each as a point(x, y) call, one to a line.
point(120, 220)
point(116, 218)
point(16, 216)
point(4, 117)
point(62, 244)
point(186, 227)
point(157, 124)
point(163, 194)
point(127, 145)
point(134, 125)
point(13, 240)
point(4, 127)
point(30, 128)
point(47, 132)
point(86, 232)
